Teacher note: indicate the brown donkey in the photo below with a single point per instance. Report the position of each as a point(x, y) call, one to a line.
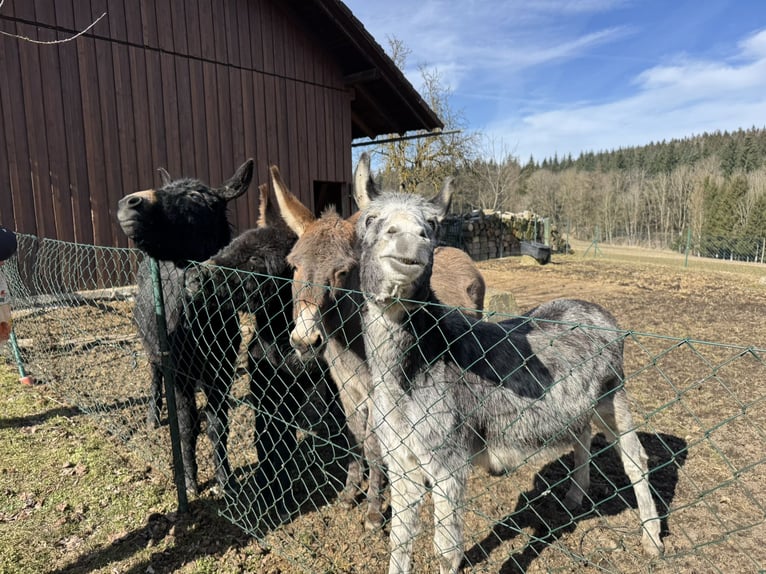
point(326, 310)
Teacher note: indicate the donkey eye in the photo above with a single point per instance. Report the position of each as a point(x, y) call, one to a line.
point(370, 219)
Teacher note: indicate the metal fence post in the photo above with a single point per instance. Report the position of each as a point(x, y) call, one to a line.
point(688, 246)
point(167, 374)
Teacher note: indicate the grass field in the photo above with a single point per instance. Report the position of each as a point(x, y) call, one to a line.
point(75, 498)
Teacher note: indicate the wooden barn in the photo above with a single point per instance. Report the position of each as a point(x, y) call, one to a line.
point(96, 95)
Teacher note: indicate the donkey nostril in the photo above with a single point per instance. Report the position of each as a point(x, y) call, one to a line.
point(392, 230)
point(132, 201)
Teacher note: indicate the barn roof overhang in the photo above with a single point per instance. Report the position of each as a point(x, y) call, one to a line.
point(383, 100)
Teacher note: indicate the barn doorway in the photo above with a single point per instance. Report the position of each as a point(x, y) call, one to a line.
point(330, 193)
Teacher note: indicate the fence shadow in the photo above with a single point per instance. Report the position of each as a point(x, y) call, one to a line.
point(318, 471)
point(213, 527)
point(546, 516)
point(196, 534)
point(40, 418)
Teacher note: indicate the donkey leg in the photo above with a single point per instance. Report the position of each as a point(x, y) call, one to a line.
point(617, 422)
point(155, 397)
point(356, 421)
point(372, 452)
point(448, 495)
point(407, 492)
point(217, 412)
point(188, 429)
point(581, 474)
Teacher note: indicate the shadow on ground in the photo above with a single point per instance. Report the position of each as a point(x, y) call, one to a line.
point(610, 494)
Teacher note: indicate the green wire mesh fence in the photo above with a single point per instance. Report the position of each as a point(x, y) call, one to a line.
point(699, 410)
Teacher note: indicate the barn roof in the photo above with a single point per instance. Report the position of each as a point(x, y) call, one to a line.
point(384, 102)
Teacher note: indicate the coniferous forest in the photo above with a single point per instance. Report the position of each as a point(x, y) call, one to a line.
point(708, 190)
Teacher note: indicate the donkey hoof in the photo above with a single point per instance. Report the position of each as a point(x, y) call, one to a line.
point(347, 497)
point(373, 521)
point(573, 499)
point(653, 547)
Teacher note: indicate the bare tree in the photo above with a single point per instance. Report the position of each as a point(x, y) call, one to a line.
point(494, 176)
point(425, 162)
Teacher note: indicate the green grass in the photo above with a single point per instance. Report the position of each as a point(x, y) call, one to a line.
point(66, 489)
point(74, 499)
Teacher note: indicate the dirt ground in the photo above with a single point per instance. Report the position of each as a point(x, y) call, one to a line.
point(695, 368)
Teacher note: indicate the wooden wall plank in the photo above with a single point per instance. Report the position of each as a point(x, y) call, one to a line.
point(15, 130)
point(109, 137)
point(267, 40)
point(133, 23)
point(192, 30)
point(7, 218)
point(260, 125)
point(140, 95)
point(197, 119)
point(246, 204)
point(178, 27)
point(74, 127)
point(207, 39)
point(170, 114)
point(211, 121)
point(115, 13)
point(223, 125)
point(55, 139)
point(231, 33)
point(74, 130)
point(149, 24)
point(34, 113)
point(255, 21)
point(127, 111)
point(184, 115)
point(155, 111)
point(163, 11)
point(94, 149)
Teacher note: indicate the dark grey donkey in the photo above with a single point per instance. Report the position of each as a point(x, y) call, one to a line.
point(181, 222)
point(252, 273)
point(450, 391)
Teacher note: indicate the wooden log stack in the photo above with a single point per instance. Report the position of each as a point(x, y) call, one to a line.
point(492, 234)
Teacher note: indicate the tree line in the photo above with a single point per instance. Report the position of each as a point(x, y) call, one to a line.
point(709, 187)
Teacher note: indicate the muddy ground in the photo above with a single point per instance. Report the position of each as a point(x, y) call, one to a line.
point(699, 408)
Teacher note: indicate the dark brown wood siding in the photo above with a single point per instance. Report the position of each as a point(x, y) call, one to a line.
point(193, 86)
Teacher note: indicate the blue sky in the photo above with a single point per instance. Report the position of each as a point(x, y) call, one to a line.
point(539, 77)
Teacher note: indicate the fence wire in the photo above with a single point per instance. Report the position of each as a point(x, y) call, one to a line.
point(699, 410)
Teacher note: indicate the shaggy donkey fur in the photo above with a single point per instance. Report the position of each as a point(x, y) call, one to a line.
point(184, 221)
point(450, 391)
point(328, 319)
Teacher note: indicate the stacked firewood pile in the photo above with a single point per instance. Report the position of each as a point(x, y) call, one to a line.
point(491, 234)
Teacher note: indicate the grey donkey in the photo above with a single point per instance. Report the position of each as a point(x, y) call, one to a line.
point(450, 391)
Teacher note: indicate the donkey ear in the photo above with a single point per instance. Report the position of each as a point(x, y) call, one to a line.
point(264, 208)
point(443, 199)
point(364, 186)
point(297, 216)
point(238, 183)
point(164, 176)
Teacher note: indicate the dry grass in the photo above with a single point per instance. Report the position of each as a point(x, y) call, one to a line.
point(74, 498)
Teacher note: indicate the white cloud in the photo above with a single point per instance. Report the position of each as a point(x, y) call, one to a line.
point(668, 101)
point(484, 36)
